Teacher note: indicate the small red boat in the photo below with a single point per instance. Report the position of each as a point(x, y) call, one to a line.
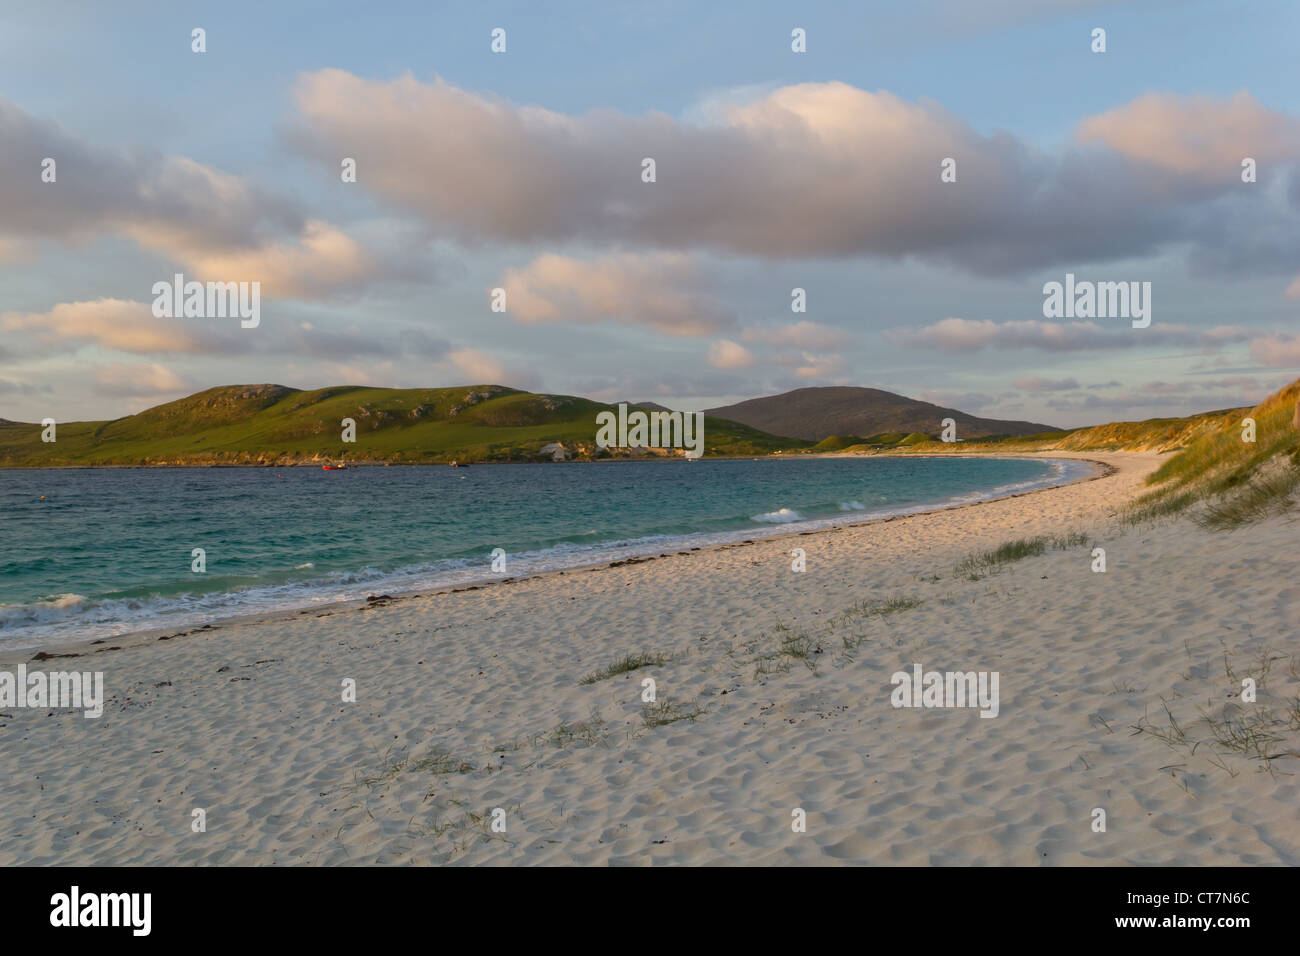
point(333, 467)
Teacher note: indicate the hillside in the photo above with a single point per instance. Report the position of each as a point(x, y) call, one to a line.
point(277, 425)
point(1153, 434)
point(1224, 481)
point(1213, 473)
point(815, 414)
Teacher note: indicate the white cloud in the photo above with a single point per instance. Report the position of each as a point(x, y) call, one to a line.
point(803, 171)
point(663, 291)
point(119, 324)
point(809, 365)
point(140, 381)
point(727, 354)
point(804, 335)
point(1195, 137)
point(482, 369)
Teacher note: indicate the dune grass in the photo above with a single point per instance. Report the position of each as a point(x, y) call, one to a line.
point(975, 566)
point(591, 731)
point(890, 605)
point(1224, 481)
point(1262, 731)
point(1253, 502)
point(624, 665)
point(793, 645)
point(666, 712)
point(437, 761)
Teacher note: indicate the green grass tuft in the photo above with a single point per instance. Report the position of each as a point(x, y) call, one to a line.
point(625, 664)
point(666, 712)
point(976, 565)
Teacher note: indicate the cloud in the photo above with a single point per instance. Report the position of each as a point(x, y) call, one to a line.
point(379, 374)
point(962, 401)
point(1034, 383)
point(11, 251)
point(123, 325)
point(726, 354)
point(971, 335)
point(804, 335)
point(1195, 139)
point(216, 224)
point(321, 258)
point(98, 190)
point(808, 365)
point(1280, 350)
point(811, 170)
point(139, 381)
point(11, 387)
point(1168, 397)
point(663, 291)
point(636, 384)
point(306, 339)
point(119, 324)
point(482, 369)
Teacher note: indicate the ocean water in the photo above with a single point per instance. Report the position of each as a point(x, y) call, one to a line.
point(93, 553)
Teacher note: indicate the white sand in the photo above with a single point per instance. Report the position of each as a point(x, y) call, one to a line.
point(246, 721)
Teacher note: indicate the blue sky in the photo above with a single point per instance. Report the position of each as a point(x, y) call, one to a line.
point(635, 297)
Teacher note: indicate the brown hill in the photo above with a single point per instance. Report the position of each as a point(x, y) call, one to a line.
point(814, 414)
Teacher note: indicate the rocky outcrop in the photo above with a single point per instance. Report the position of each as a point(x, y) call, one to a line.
point(475, 396)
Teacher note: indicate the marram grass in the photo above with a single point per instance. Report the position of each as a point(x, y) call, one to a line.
point(1224, 481)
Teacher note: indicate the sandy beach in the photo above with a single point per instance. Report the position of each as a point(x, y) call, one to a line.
point(773, 694)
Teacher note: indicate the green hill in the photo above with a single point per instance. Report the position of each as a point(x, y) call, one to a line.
point(277, 425)
point(837, 443)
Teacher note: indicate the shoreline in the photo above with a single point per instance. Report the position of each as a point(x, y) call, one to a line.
point(795, 455)
point(773, 691)
point(62, 649)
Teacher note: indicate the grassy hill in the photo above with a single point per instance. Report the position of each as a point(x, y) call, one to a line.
point(277, 425)
point(1224, 481)
point(1153, 434)
point(818, 414)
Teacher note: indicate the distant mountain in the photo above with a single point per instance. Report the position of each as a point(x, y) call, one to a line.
point(814, 414)
point(278, 425)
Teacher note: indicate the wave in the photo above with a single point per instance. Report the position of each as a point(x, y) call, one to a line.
point(780, 516)
point(55, 607)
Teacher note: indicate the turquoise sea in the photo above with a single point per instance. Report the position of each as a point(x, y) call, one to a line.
point(92, 553)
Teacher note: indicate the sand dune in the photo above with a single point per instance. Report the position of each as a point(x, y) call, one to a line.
point(474, 700)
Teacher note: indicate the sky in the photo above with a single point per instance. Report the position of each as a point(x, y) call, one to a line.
point(523, 171)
